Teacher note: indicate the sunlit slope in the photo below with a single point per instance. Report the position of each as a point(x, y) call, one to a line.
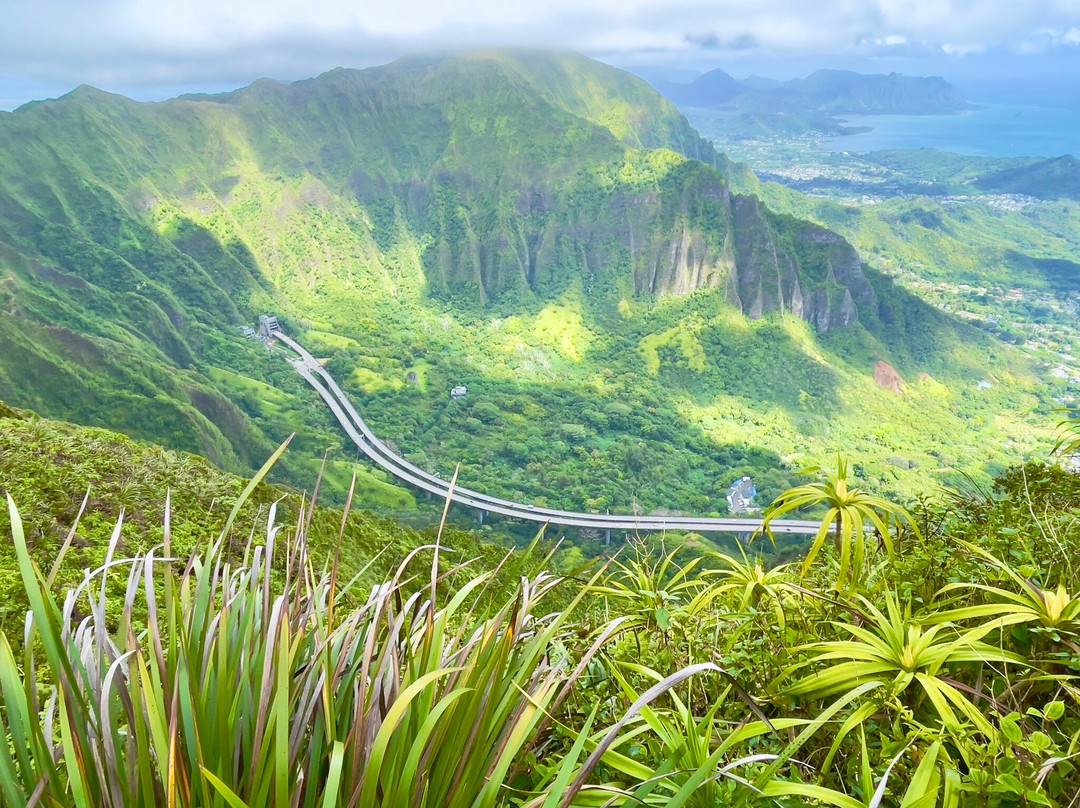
point(49, 466)
point(531, 222)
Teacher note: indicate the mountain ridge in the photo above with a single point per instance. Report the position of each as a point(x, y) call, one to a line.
point(515, 260)
point(1054, 178)
point(442, 218)
point(833, 92)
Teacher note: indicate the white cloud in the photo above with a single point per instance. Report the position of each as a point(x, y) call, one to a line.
point(1048, 38)
point(963, 48)
point(132, 42)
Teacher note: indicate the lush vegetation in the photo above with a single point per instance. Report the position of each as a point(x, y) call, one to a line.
point(542, 228)
point(633, 334)
point(75, 483)
point(257, 666)
point(1003, 263)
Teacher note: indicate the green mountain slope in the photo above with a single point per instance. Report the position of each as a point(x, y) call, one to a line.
point(543, 227)
point(1058, 178)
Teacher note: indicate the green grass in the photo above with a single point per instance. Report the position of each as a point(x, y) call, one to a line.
point(50, 466)
point(299, 718)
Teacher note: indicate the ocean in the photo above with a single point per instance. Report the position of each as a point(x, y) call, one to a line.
point(990, 131)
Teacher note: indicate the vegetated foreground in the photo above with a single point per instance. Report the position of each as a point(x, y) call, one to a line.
point(935, 668)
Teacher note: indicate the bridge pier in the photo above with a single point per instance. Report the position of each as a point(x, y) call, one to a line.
point(480, 515)
point(607, 537)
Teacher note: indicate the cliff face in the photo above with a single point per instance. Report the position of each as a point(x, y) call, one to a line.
point(489, 178)
point(795, 267)
point(674, 235)
point(432, 209)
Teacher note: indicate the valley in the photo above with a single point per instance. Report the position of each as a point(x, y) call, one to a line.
point(912, 213)
point(314, 374)
point(479, 431)
point(639, 321)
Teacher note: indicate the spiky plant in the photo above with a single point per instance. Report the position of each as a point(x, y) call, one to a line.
point(749, 582)
point(699, 762)
point(1057, 610)
point(251, 685)
point(1068, 429)
point(851, 511)
point(896, 654)
point(649, 590)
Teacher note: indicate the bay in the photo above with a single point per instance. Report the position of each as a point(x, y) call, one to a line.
point(989, 131)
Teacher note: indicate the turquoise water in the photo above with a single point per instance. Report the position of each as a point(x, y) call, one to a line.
point(992, 131)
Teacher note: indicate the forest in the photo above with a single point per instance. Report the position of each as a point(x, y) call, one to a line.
point(661, 321)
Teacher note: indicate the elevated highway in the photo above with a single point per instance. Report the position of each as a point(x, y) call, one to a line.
point(379, 453)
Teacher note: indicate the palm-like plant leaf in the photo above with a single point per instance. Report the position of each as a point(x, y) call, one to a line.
point(1068, 428)
point(851, 513)
point(1054, 609)
point(898, 651)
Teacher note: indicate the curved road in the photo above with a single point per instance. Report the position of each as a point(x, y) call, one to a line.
point(355, 427)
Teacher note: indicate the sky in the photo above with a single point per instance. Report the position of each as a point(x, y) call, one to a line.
point(152, 51)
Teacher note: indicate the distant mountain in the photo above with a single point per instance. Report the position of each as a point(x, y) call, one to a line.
point(824, 91)
point(654, 73)
point(712, 89)
point(843, 91)
point(761, 83)
point(1057, 178)
point(133, 236)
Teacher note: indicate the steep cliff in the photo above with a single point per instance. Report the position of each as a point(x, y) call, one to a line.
point(670, 224)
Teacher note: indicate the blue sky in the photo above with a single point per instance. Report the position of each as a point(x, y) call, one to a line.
point(156, 50)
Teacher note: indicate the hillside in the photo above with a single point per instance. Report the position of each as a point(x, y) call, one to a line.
point(543, 228)
point(268, 643)
point(1058, 178)
point(49, 466)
